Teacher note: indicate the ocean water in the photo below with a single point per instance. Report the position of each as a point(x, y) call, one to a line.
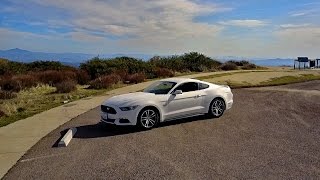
point(274, 62)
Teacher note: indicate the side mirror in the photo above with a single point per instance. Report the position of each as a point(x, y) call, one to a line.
point(176, 92)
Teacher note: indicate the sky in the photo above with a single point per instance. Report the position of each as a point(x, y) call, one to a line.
point(244, 28)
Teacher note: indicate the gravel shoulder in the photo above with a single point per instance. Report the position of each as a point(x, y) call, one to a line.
point(269, 134)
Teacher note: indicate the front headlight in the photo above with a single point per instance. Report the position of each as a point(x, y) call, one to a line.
point(129, 108)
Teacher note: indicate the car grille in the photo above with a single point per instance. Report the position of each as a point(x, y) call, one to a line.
point(108, 109)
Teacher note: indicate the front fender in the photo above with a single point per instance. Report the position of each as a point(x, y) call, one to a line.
point(152, 105)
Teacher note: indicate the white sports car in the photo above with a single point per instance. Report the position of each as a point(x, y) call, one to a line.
point(166, 100)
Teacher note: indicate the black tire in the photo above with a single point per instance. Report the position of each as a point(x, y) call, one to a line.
point(148, 123)
point(217, 108)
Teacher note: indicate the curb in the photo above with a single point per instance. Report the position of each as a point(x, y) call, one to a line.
point(67, 137)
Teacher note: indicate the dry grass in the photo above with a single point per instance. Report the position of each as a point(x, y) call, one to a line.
point(261, 81)
point(38, 99)
point(261, 78)
point(227, 74)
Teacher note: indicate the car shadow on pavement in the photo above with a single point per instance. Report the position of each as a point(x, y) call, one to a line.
point(106, 130)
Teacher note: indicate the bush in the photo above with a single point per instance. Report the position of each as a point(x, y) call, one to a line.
point(2, 114)
point(163, 72)
point(66, 86)
point(135, 78)
point(249, 66)
point(52, 77)
point(47, 65)
point(21, 109)
point(228, 66)
point(121, 73)
point(17, 82)
point(98, 67)
point(239, 63)
point(83, 77)
point(12, 67)
point(105, 82)
point(7, 95)
point(193, 61)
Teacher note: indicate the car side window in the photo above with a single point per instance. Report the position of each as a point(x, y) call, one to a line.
point(203, 86)
point(188, 87)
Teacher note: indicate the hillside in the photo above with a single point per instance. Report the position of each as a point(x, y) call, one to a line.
point(73, 59)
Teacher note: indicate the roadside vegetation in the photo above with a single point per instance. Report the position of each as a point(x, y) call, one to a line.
point(30, 88)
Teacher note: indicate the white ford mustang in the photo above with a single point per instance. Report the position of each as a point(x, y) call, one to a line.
point(165, 100)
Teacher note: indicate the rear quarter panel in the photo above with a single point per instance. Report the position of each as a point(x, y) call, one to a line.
point(217, 91)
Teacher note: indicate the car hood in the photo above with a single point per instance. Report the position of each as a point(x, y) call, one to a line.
point(130, 99)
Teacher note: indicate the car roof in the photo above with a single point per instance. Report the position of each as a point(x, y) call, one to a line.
point(180, 80)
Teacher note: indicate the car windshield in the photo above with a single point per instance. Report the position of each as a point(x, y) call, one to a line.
point(160, 87)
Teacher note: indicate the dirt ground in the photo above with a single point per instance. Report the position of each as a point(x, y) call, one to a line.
point(268, 134)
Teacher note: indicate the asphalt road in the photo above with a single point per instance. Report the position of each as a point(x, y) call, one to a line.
point(268, 134)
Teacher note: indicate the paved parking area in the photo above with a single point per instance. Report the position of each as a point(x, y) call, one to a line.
point(269, 134)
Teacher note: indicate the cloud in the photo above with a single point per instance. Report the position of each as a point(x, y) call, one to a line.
point(250, 23)
point(301, 36)
point(294, 25)
point(11, 38)
point(296, 41)
point(139, 25)
point(305, 12)
point(83, 36)
point(4, 32)
point(143, 18)
point(299, 14)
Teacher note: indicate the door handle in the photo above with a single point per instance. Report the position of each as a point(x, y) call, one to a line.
point(197, 96)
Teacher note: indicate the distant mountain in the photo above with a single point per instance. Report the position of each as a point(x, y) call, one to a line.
point(228, 58)
point(75, 59)
point(67, 58)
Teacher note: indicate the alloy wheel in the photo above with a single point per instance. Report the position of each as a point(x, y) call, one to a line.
point(148, 118)
point(217, 107)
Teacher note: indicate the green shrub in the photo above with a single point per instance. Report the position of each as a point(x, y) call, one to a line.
point(47, 65)
point(192, 61)
point(12, 67)
point(239, 63)
point(189, 62)
point(66, 86)
point(98, 67)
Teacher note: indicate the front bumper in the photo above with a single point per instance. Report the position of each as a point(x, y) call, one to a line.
point(229, 104)
point(121, 118)
point(229, 100)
